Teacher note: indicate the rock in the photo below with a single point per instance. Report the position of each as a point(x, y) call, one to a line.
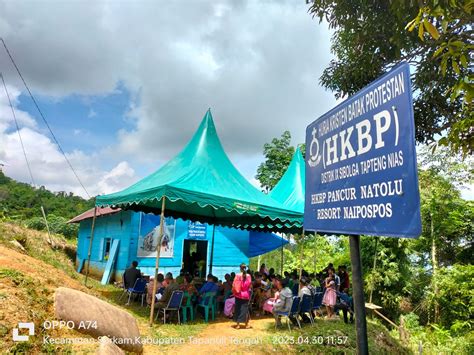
point(107, 347)
point(18, 245)
point(95, 317)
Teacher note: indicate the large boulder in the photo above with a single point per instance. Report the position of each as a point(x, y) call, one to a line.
point(97, 318)
point(107, 347)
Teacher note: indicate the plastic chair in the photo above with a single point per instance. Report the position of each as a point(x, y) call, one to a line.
point(186, 306)
point(294, 310)
point(139, 288)
point(317, 302)
point(208, 302)
point(306, 307)
point(174, 304)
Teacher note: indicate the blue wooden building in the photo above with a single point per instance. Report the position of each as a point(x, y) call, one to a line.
point(185, 244)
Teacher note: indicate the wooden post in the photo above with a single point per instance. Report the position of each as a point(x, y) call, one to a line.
point(50, 240)
point(358, 294)
point(90, 244)
point(157, 262)
point(373, 269)
point(281, 259)
point(212, 249)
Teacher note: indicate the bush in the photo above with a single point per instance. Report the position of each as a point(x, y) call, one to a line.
point(57, 225)
point(455, 285)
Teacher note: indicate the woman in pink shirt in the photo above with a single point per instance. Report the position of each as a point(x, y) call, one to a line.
point(241, 289)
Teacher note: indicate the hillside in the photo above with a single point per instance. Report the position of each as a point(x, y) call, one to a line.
point(30, 271)
point(22, 202)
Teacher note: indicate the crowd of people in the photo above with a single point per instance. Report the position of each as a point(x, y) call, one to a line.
point(264, 291)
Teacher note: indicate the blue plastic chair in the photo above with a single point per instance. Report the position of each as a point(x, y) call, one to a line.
point(139, 288)
point(187, 306)
point(208, 303)
point(317, 302)
point(294, 310)
point(306, 307)
point(174, 304)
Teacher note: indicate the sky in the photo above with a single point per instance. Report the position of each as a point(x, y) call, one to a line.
point(125, 84)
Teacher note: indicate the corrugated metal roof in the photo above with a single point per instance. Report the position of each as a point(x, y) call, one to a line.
point(101, 211)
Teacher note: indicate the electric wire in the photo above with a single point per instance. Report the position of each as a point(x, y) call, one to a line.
point(18, 131)
point(43, 117)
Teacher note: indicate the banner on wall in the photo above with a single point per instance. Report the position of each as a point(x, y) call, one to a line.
point(148, 237)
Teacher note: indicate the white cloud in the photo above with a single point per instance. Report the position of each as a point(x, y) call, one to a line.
point(48, 165)
point(256, 64)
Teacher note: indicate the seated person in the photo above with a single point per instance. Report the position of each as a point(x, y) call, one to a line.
point(197, 280)
point(159, 288)
point(304, 290)
point(180, 278)
point(172, 286)
point(131, 275)
point(284, 301)
point(209, 286)
point(229, 306)
point(345, 304)
point(187, 286)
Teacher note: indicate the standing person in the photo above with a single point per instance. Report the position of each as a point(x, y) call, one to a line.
point(241, 290)
point(263, 270)
point(344, 276)
point(329, 299)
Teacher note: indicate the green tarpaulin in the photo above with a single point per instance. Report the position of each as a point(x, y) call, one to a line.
point(202, 184)
point(290, 189)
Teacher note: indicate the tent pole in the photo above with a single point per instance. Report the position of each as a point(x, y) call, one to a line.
point(212, 248)
point(90, 244)
point(258, 263)
point(281, 258)
point(301, 256)
point(157, 262)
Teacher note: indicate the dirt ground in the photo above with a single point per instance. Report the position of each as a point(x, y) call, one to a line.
point(220, 338)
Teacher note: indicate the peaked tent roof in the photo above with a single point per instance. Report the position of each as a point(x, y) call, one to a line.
point(290, 189)
point(202, 184)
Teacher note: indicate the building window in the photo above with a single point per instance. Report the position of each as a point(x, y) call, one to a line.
point(107, 243)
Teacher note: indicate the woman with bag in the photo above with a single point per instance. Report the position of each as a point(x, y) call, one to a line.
point(241, 290)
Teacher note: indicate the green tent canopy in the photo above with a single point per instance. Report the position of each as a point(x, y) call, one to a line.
point(201, 184)
point(290, 189)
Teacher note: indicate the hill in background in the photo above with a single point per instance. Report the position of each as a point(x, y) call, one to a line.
point(22, 202)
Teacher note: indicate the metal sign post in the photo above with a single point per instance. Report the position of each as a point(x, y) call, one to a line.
point(358, 295)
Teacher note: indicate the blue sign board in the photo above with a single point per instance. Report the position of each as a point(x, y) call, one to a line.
point(197, 230)
point(361, 175)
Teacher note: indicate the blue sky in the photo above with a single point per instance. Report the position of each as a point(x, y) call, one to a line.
point(124, 84)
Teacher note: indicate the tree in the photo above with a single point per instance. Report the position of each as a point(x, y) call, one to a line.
point(370, 37)
point(278, 155)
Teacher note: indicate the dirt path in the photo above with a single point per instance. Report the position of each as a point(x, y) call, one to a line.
point(220, 338)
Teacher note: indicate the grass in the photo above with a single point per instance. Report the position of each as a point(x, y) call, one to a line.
point(35, 295)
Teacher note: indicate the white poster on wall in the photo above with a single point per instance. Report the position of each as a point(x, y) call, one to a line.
point(148, 237)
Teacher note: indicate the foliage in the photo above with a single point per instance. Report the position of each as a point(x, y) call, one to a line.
point(456, 297)
point(278, 155)
point(390, 280)
point(450, 216)
point(435, 339)
point(22, 202)
point(313, 253)
point(370, 37)
point(57, 224)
